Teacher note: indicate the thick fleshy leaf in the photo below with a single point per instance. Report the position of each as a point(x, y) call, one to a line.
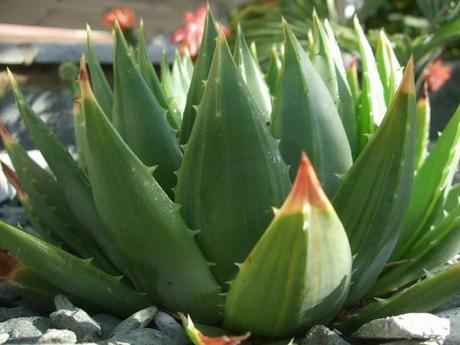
point(174, 84)
point(304, 123)
point(374, 195)
point(272, 76)
point(151, 78)
point(72, 275)
point(48, 202)
point(200, 75)
point(168, 87)
point(424, 296)
point(436, 248)
point(298, 274)
point(326, 58)
point(25, 283)
point(157, 250)
point(449, 203)
point(231, 165)
point(79, 132)
point(388, 67)
point(39, 229)
point(353, 80)
point(140, 119)
point(252, 75)
point(423, 130)
point(199, 338)
point(432, 181)
point(50, 206)
point(99, 82)
point(72, 181)
point(371, 106)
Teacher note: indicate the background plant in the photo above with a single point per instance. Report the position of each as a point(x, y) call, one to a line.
point(422, 28)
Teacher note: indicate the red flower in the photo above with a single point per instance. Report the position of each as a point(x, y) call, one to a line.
point(189, 36)
point(124, 15)
point(437, 74)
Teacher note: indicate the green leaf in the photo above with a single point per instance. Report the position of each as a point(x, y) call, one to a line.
point(72, 275)
point(71, 179)
point(298, 273)
point(252, 75)
point(151, 78)
point(25, 283)
point(326, 58)
point(374, 195)
point(200, 74)
point(180, 82)
point(436, 248)
point(450, 203)
point(39, 229)
point(231, 165)
point(433, 179)
point(421, 297)
point(423, 130)
point(50, 205)
point(371, 106)
point(79, 132)
point(272, 76)
point(157, 250)
point(99, 82)
point(168, 87)
point(388, 67)
point(140, 119)
point(304, 123)
point(444, 34)
point(353, 80)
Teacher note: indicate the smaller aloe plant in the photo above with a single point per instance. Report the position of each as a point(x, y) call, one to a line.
point(298, 198)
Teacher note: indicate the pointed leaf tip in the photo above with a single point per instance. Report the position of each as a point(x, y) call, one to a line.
point(12, 79)
point(407, 83)
point(84, 79)
point(199, 338)
point(4, 134)
point(305, 190)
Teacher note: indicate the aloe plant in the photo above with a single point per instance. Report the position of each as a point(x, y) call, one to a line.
point(297, 196)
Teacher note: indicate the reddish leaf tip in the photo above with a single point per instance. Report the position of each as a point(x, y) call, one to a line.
point(14, 180)
point(84, 79)
point(306, 189)
point(8, 266)
point(223, 340)
point(408, 84)
point(4, 134)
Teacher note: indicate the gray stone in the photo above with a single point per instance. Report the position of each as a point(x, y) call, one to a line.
point(406, 326)
point(142, 336)
point(107, 323)
point(58, 336)
point(321, 335)
point(61, 302)
point(24, 329)
point(15, 312)
point(139, 319)
point(453, 316)
point(4, 337)
point(171, 328)
point(74, 319)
